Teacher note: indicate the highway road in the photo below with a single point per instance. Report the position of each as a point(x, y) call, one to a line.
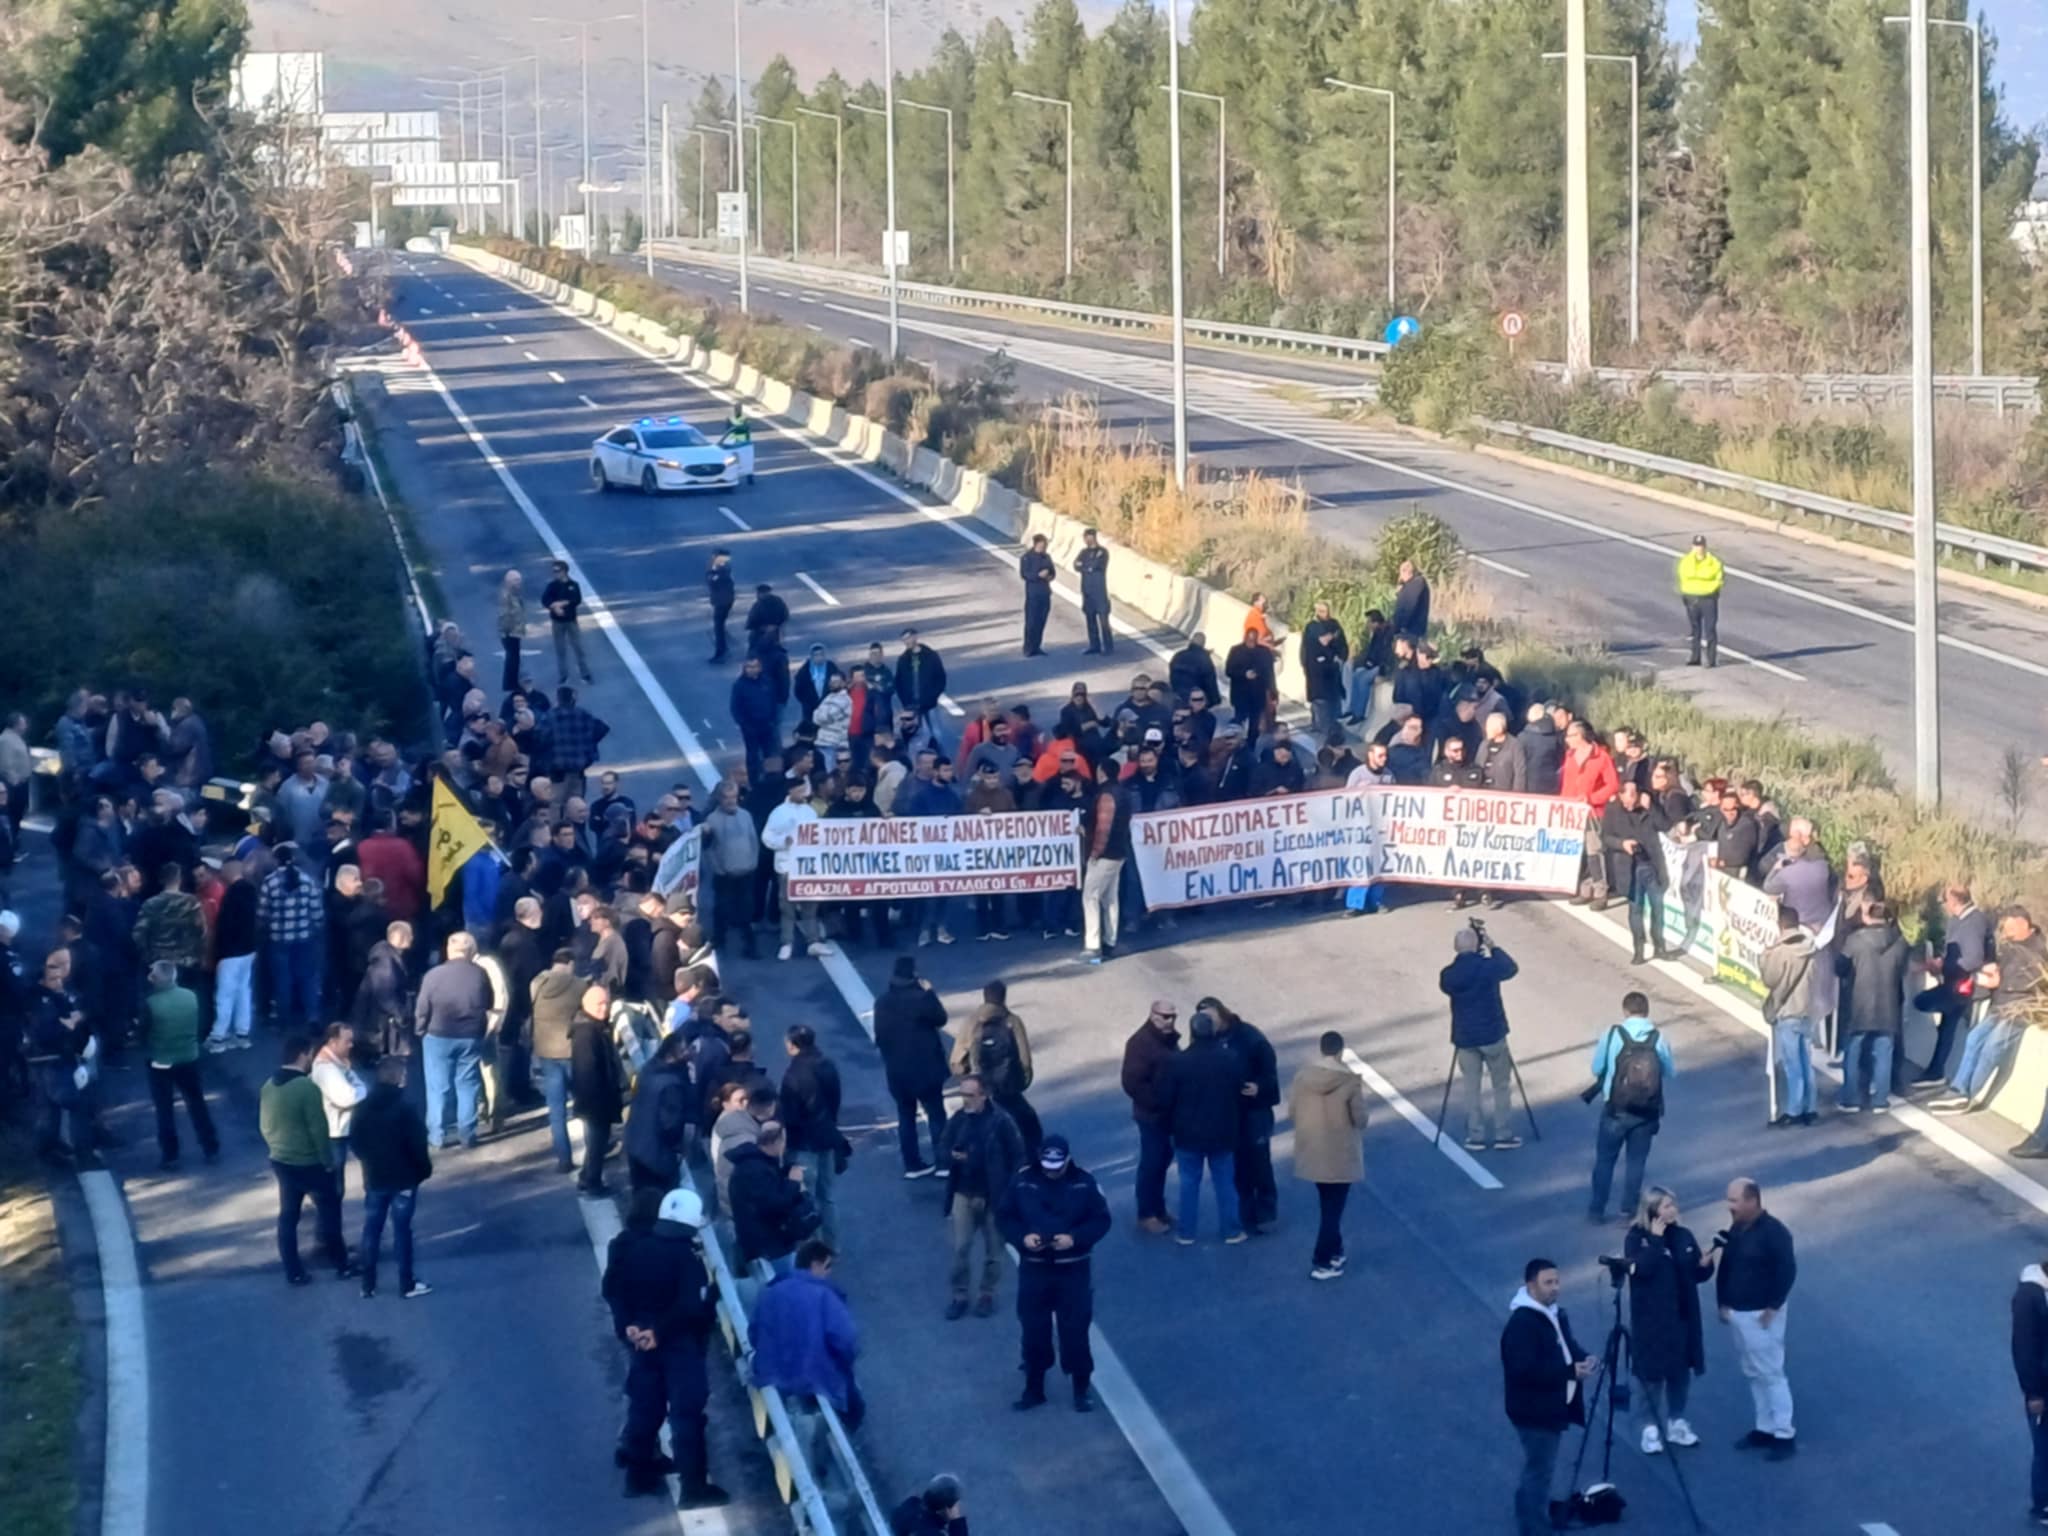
point(1250, 1399)
point(1815, 635)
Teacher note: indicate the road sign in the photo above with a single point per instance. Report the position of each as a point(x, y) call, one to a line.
point(1512, 324)
point(895, 248)
point(1401, 328)
point(732, 215)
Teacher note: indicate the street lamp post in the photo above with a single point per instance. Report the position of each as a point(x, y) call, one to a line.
point(1635, 184)
point(1180, 344)
point(646, 143)
point(1578, 241)
point(838, 169)
point(583, 26)
point(947, 113)
point(739, 140)
point(1068, 108)
point(760, 240)
point(1222, 144)
point(1373, 90)
point(1976, 181)
point(886, 114)
point(757, 119)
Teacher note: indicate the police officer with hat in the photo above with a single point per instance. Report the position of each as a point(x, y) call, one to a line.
point(1054, 1214)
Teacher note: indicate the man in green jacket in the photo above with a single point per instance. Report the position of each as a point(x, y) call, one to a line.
point(294, 1121)
point(173, 1015)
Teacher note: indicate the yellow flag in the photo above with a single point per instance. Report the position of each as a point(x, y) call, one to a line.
point(454, 838)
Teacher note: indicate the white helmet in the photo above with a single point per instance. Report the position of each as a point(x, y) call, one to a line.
point(683, 1206)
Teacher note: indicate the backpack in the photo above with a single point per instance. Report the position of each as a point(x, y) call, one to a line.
point(996, 1060)
point(1636, 1077)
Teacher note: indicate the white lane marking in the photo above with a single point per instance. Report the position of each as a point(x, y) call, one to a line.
point(424, 310)
point(810, 295)
point(600, 612)
point(949, 518)
point(1743, 1012)
point(1878, 1528)
point(124, 1495)
point(590, 402)
point(1503, 568)
point(490, 325)
point(946, 703)
point(1400, 1103)
point(601, 1224)
point(858, 314)
point(744, 527)
point(1761, 664)
point(556, 377)
point(1515, 503)
point(531, 357)
point(812, 325)
point(829, 600)
point(510, 341)
point(1170, 1471)
point(782, 293)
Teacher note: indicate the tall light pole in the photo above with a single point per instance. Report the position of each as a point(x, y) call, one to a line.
point(1578, 260)
point(838, 169)
point(757, 119)
point(947, 113)
point(1635, 184)
point(731, 164)
point(739, 141)
point(1180, 342)
point(668, 176)
point(760, 239)
point(1976, 181)
point(1068, 108)
point(583, 26)
point(886, 114)
point(1926, 639)
point(1374, 90)
point(646, 143)
point(1222, 144)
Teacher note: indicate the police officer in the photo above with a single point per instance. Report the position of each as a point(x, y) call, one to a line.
point(1054, 1214)
point(662, 1310)
point(1699, 587)
point(718, 583)
point(1034, 568)
point(1092, 565)
point(739, 436)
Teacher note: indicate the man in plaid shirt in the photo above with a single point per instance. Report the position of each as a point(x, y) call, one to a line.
point(573, 734)
point(289, 913)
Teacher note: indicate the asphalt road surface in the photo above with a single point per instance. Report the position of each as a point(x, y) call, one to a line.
point(1254, 1400)
point(1815, 635)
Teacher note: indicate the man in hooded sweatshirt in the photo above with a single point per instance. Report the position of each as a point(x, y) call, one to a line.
point(2030, 1364)
point(1785, 969)
point(1544, 1372)
point(1326, 1102)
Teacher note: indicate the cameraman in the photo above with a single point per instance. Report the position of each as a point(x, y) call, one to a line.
point(1665, 1270)
point(1479, 1032)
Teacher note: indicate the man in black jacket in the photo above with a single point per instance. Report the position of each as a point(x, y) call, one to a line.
point(1754, 1283)
point(1200, 1091)
point(1035, 570)
point(1148, 1056)
point(1054, 1214)
point(1258, 1196)
point(1479, 1035)
point(766, 1198)
point(1544, 1372)
point(982, 1151)
point(767, 612)
point(1324, 650)
point(563, 599)
point(810, 1112)
point(520, 959)
point(1193, 669)
point(718, 585)
point(909, 1019)
point(1635, 865)
point(1092, 566)
point(920, 679)
point(663, 1312)
point(390, 1142)
point(660, 1117)
point(2030, 1364)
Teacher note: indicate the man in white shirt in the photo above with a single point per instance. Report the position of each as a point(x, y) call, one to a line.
point(779, 837)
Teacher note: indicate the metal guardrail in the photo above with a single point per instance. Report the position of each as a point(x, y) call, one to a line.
point(1351, 347)
point(1981, 547)
point(2001, 393)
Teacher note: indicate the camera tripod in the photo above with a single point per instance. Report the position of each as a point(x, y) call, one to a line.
point(1612, 1382)
point(1451, 1076)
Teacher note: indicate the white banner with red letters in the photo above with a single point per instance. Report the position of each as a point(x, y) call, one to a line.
point(898, 857)
point(1327, 839)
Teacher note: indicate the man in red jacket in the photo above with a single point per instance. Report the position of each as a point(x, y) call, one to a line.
point(1588, 775)
point(386, 856)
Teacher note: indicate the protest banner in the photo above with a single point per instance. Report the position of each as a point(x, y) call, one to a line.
point(1729, 924)
point(894, 858)
point(1328, 839)
point(681, 865)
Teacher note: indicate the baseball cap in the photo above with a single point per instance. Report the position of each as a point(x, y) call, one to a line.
point(1154, 736)
point(1699, 539)
point(1055, 1153)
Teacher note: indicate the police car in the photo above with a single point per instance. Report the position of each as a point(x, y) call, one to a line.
point(659, 456)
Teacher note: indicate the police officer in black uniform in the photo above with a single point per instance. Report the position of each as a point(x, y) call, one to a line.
point(1092, 565)
point(1034, 566)
point(662, 1310)
point(1053, 1214)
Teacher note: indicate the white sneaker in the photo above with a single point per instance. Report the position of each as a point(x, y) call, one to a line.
point(945, 937)
point(217, 1047)
point(244, 1043)
point(1681, 1434)
point(818, 949)
point(1325, 1272)
point(1653, 1443)
point(784, 953)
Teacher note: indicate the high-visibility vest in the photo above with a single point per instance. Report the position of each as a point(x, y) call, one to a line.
point(739, 430)
point(1699, 574)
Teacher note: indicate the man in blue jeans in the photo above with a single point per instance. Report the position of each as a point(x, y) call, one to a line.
point(1544, 1374)
point(291, 915)
point(390, 1141)
point(1630, 1063)
point(1199, 1093)
point(2016, 979)
point(1786, 969)
point(451, 1017)
point(557, 999)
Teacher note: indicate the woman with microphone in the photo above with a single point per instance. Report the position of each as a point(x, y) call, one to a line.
point(1666, 1269)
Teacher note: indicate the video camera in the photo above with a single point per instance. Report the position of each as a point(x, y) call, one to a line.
point(1478, 926)
point(1617, 1269)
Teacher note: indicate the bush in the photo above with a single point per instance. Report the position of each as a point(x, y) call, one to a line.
point(891, 401)
point(267, 602)
point(1424, 538)
point(1443, 377)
